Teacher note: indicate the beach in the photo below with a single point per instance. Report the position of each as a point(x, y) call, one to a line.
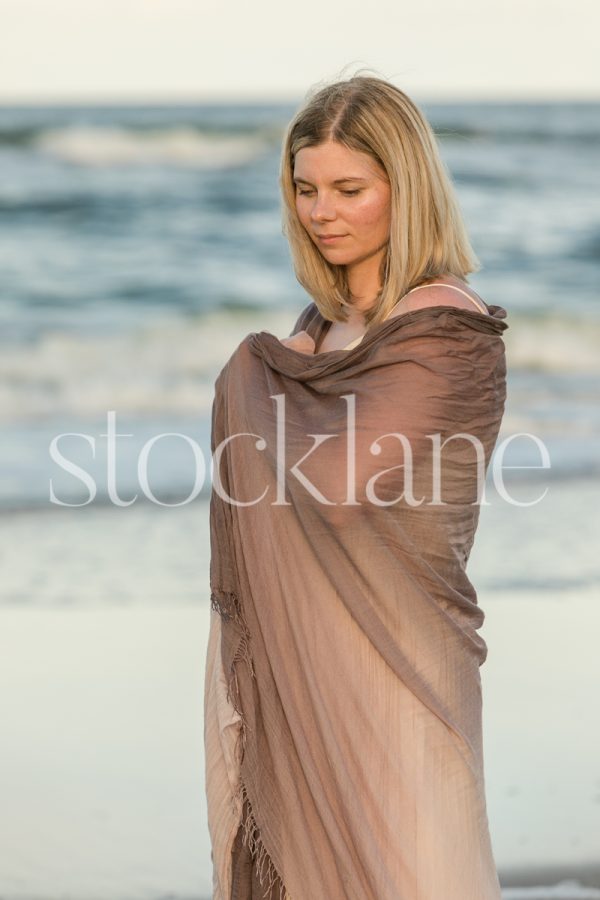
point(140, 245)
point(102, 773)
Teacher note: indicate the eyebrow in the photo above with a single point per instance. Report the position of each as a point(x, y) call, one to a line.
point(337, 180)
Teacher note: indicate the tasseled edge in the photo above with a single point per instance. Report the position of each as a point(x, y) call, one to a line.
point(264, 863)
point(228, 605)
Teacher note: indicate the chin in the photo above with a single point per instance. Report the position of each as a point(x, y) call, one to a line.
point(342, 257)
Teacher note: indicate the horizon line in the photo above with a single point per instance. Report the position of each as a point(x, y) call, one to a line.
point(258, 97)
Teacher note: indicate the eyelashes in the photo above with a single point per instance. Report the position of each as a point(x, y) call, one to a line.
point(345, 193)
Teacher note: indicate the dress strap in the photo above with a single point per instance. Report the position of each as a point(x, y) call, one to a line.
point(419, 287)
point(441, 284)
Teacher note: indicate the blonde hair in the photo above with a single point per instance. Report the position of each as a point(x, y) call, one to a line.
point(427, 235)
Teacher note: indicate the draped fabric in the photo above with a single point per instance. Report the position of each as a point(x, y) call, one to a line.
point(343, 702)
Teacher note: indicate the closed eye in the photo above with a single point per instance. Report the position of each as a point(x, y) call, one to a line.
point(346, 193)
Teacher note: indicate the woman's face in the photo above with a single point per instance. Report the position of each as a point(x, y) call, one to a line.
point(342, 192)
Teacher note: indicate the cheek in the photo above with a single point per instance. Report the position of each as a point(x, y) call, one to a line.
point(370, 212)
point(302, 212)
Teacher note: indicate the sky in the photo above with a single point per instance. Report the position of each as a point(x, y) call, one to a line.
point(152, 50)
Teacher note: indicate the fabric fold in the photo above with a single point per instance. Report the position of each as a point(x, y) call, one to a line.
point(343, 696)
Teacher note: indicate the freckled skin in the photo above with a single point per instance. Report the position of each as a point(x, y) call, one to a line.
point(364, 217)
point(359, 209)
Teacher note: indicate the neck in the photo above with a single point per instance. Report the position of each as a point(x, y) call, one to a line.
point(363, 281)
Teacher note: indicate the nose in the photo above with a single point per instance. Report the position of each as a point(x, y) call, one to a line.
point(323, 208)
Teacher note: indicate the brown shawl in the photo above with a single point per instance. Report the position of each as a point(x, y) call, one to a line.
point(343, 726)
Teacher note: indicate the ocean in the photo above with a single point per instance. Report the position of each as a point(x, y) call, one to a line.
point(138, 246)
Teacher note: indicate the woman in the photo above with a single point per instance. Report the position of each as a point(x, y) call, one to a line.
point(343, 733)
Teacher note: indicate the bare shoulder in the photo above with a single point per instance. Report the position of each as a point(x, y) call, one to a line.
point(443, 291)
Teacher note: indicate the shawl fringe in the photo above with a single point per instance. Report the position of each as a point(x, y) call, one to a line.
point(264, 863)
point(229, 607)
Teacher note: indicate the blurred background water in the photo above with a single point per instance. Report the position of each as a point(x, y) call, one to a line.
point(138, 246)
point(146, 237)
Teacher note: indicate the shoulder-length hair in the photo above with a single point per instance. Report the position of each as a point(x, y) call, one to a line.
point(427, 235)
